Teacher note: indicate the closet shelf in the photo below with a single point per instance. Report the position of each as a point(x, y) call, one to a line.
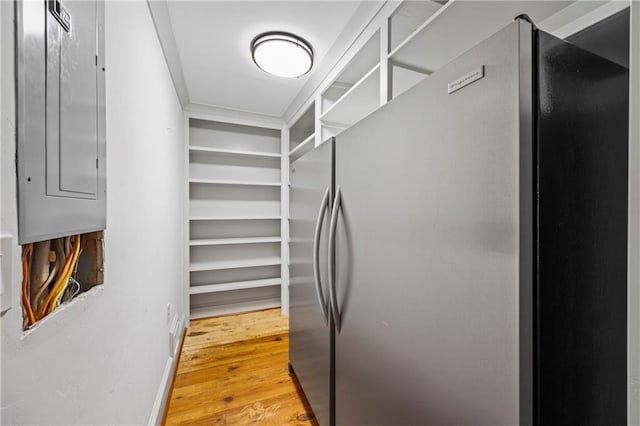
point(194, 218)
point(309, 140)
point(233, 182)
point(422, 50)
point(232, 241)
point(204, 149)
point(362, 99)
point(233, 264)
point(238, 285)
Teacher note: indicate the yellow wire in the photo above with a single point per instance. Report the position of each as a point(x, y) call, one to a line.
point(53, 304)
point(55, 301)
point(44, 307)
point(26, 302)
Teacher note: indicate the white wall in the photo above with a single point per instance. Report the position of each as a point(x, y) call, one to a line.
point(102, 358)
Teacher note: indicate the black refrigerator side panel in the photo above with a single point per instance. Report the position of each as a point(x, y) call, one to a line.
point(581, 300)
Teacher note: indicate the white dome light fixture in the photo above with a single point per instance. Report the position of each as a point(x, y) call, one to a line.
point(282, 54)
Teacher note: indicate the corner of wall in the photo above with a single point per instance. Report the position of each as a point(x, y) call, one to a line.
point(164, 390)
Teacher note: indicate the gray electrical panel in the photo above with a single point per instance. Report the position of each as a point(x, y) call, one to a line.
point(60, 118)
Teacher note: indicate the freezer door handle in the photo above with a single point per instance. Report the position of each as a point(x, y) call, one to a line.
point(333, 225)
point(324, 206)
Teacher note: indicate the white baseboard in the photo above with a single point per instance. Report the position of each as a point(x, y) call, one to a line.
point(165, 384)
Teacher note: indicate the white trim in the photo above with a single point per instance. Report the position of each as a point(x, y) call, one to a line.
point(317, 122)
point(284, 222)
point(162, 396)
point(164, 29)
point(384, 92)
point(186, 220)
point(233, 116)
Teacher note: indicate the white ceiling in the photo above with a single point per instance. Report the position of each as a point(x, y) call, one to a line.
point(213, 37)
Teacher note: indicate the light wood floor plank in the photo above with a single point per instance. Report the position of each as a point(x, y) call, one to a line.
point(233, 370)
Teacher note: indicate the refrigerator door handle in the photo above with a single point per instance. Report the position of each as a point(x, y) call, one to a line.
point(324, 206)
point(333, 225)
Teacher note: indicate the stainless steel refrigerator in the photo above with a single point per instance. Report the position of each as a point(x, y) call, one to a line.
point(459, 256)
point(311, 327)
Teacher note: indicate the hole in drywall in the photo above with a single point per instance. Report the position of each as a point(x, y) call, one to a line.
point(56, 271)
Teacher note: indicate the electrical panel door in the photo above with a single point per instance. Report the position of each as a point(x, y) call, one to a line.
point(61, 118)
point(72, 122)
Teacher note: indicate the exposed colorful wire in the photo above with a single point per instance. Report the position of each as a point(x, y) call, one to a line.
point(60, 282)
point(26, 303)
point(55, 301)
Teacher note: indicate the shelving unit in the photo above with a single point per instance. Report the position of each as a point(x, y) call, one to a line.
point(303, 147)
point(422, 51)
point(234, 217)
point(231, 241)
point(404, 44)
point(408, 17)
point(356, 103)
point(302, 134)
point(367, 58)
point(302, 130)
point(354, 93)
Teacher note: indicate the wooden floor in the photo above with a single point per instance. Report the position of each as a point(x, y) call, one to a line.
point(233, 370)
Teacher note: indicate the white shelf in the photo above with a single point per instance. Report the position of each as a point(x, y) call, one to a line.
point(207, 150)
point(233, 264)
point(337, 90)
point(439, 40)
point(362, 62)
point(238, 285)
point(402, 79)
point(211, 311)
point(309, 140)
point(233, 182)
point(232, 241)
point(358, 102)
point(302, 128)
point(234, 218)
point(408, 17)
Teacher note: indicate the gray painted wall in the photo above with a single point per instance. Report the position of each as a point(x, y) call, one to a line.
point(103, 358)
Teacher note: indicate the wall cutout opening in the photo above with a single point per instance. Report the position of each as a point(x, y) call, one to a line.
point(56, 271)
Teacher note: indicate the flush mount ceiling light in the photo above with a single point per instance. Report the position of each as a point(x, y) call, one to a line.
point(282, 54)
